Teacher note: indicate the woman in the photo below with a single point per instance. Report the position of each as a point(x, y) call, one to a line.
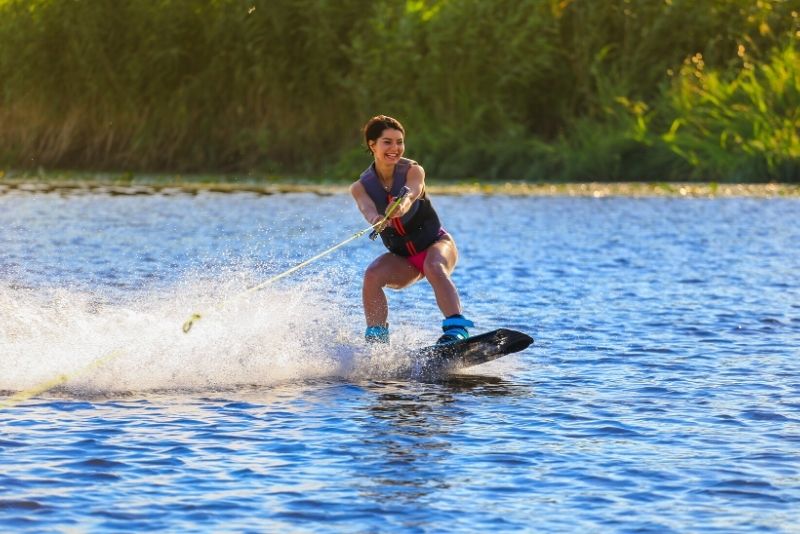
point(418, 245)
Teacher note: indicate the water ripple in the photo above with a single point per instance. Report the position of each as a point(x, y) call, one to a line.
point(662, 394)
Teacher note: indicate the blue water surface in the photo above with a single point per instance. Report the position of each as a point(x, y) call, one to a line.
point(662, 393)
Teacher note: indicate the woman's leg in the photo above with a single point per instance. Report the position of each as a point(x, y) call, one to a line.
point(439, 264)
point(388, 270)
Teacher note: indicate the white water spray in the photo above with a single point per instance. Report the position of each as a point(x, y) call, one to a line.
point(296, 331)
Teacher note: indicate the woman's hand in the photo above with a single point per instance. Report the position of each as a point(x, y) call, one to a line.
point(402, 208)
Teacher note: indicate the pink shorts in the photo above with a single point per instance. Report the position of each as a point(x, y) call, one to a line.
point(418, 259)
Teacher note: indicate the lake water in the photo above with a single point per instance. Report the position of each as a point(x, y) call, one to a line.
point(662, 393)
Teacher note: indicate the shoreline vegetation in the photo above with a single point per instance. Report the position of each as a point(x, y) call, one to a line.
point(536, 90)
point(128, 184)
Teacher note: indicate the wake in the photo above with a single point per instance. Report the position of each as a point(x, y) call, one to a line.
point(298, 331)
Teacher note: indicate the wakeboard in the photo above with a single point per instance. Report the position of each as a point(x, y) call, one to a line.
point(447, 358)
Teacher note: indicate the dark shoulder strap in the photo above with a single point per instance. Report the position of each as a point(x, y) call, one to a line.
point(372, 185)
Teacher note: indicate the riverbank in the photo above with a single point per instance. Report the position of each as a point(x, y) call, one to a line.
point(126, 184)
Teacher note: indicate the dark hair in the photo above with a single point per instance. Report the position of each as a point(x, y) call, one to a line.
point(376, 125)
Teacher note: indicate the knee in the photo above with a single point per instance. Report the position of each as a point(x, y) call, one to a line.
point(436, 270)
point(374, 277)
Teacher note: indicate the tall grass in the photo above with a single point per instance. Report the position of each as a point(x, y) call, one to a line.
point(513, 89)
point(175, 83)
point(743, 128)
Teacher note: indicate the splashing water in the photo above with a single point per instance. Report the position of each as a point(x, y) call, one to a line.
point(101, 301)
point(304, 330)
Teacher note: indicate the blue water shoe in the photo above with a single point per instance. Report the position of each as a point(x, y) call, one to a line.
point(455, 329)
point(377, 334)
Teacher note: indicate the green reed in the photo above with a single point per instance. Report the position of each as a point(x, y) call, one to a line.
point(525, 89)
point(743, 127)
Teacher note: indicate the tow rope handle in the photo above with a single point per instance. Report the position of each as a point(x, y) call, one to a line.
point(386, 218)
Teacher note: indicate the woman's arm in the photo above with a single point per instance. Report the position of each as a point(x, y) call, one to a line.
point(365, 204)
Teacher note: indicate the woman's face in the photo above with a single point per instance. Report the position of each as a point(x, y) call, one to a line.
point(389, 147)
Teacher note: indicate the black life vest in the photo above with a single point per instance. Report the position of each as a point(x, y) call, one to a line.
point(416, 230)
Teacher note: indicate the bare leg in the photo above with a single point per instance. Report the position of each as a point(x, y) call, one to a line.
point(388, 270)
point(439, 264)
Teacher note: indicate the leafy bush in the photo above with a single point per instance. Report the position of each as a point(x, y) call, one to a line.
point(508, 89)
